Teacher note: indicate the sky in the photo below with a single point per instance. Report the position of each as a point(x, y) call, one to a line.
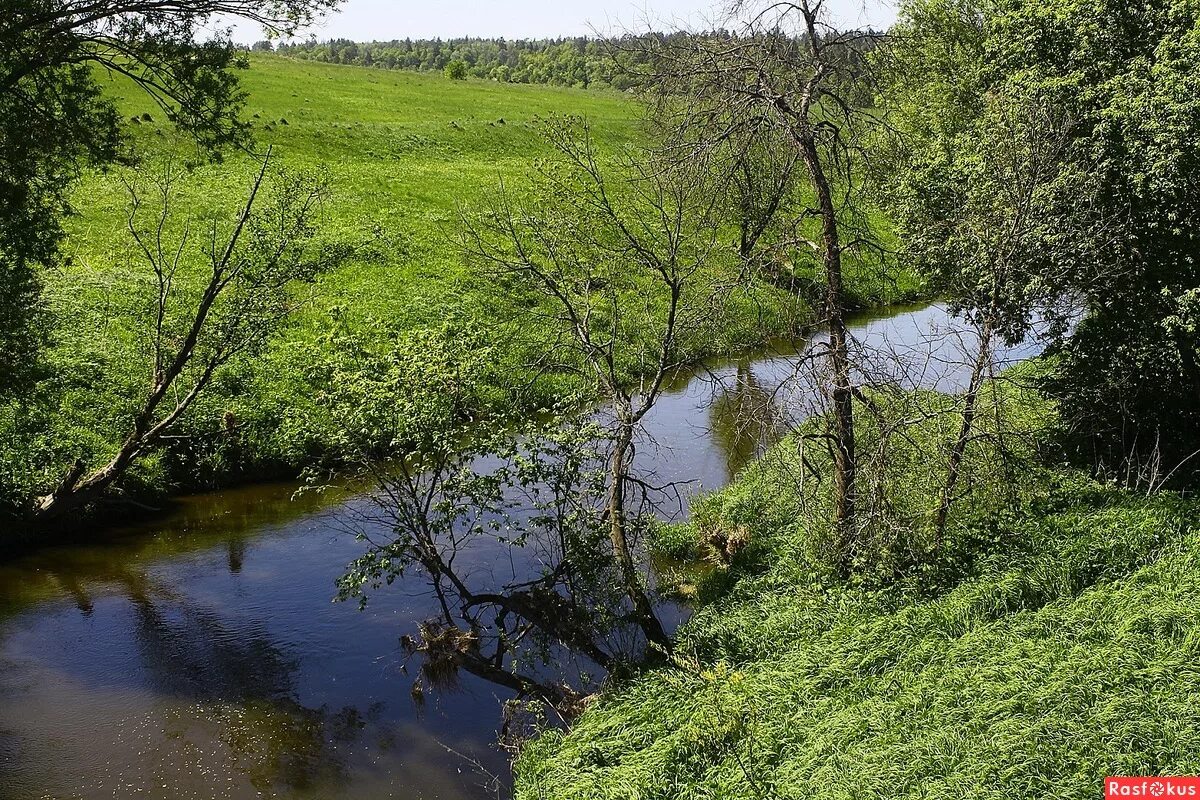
point(366, 20)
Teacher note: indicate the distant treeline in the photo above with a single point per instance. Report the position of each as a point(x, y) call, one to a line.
point(579, 61)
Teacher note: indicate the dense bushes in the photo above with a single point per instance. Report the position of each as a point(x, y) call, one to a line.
point(1092, 109)
point(1126, 74)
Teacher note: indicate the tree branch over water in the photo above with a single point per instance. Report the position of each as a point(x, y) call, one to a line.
point(245, 292)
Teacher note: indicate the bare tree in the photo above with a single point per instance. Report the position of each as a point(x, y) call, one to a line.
point(620, 267)
point(755, 167)
point(788, 71)
point(625, 276)
point(245, 292)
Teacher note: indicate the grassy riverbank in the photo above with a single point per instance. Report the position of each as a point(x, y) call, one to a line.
point(405, 155)
point(1053, 643)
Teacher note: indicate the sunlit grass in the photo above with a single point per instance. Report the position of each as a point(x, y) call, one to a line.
point(1056, 646)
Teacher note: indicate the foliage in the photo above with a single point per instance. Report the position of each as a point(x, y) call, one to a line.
point(623, 62)
point(55, 121)
point(43, 154)
point(393, 391)
point(1092, 106)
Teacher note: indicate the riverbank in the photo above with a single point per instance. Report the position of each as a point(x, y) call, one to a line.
point(1052, 643)
point(405, 154)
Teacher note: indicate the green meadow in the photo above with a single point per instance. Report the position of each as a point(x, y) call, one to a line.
point(404, 154)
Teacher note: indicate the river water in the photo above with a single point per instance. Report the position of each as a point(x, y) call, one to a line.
point(199, 655)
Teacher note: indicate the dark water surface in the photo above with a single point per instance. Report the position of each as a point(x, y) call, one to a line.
point(200, 656)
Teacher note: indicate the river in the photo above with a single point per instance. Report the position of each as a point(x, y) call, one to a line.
point(199, 655)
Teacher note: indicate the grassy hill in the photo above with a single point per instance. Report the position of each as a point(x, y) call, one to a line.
point(404, 154)
point(1054, 643)
point(1049, 670)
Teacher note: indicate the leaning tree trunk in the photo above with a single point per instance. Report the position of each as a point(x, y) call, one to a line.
point(75, 492)
point(149, 426)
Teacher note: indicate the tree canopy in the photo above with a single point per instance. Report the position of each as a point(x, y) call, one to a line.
point(55, 119)
point(1067, 134)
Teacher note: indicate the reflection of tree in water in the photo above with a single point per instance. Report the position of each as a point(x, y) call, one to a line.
point(281, 745)
point(744, 418)
point(189, 652)
point(237, 554)
point(230, 520)
point(240, 683)
point(511, 533)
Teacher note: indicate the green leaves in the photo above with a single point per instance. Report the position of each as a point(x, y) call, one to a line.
point(392, 391)
point(1051, 160)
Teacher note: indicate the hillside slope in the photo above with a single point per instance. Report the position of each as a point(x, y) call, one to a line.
point(404, 154)
point(1057, 646)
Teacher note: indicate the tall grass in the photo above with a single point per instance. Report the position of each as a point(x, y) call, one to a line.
point(1063, 650)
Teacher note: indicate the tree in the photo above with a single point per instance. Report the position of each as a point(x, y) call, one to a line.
point(789, 71)
point(1129, 384)
point(456, 70)
point(620, 271)
point(244, 292)
point(588, 252)
point(982, 188)
point(55, 120)
point(1106, 216)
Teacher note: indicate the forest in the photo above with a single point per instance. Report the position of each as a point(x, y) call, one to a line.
point(780, 410)
point(579, 62)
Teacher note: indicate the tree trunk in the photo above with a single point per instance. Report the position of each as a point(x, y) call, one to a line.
point(841, 390)
point(959, 448)
point(73, 493)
